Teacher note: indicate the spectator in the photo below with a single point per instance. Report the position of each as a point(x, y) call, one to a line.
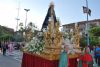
point(97, 54)
point(10, 47)
point(4, 46)
point(0, 47)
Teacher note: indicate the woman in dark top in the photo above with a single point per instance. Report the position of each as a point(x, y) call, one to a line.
point(4, 47)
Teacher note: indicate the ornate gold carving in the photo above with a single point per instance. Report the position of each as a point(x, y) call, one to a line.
point(28, 35)
point(76, 36)
point(53, 37)
point(53, 41)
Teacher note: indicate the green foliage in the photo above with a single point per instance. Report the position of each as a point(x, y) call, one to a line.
point(6, 37)
point(83, 42)
point(94, 34)
point(6, 34)
point(18, 38)
point(95, 31)
point(30, 31)
point(94, 40)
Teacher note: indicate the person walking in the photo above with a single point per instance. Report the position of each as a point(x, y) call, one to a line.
point(97, 54)
point(4, 47)
point(10, 48)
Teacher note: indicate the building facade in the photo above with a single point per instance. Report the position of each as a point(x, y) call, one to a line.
point(82, 25)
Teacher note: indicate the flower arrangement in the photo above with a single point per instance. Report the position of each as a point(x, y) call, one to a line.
point(36, 45)
point(72, 49)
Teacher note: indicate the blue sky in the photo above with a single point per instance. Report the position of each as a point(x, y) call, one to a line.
point(68, 11)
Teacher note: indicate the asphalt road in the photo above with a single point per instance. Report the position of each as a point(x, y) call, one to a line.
point(6, 61)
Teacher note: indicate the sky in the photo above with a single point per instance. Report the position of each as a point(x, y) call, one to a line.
point(68, 11)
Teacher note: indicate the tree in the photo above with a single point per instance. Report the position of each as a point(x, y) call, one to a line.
point(95, 31)
point(94, 40)
point(83, 41)
point(21, 27)
point(18, 35)
point(30, 31)
point(6, 33)
point(95, 35)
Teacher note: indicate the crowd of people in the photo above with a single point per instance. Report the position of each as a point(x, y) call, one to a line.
point(4, 46)
point(87, 59)
point(9, 46)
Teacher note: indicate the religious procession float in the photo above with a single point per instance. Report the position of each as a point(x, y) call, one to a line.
point(44, 49)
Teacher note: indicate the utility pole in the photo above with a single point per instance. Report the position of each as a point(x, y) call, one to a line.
point(87, 25)
point(18, 15)
point(17, 23)
point(26, 22)
point(26, 16)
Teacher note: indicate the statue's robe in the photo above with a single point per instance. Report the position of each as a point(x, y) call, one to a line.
point(63, 61)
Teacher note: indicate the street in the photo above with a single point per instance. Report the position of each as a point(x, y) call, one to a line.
point(12, 60)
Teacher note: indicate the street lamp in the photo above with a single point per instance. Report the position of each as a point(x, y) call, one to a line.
point(17, 19)
point(87, 25)
point(26, 21)
point(88, 13)
point(26, 16)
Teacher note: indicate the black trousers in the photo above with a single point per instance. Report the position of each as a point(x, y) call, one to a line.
point(97, 60)
point(4, 51)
